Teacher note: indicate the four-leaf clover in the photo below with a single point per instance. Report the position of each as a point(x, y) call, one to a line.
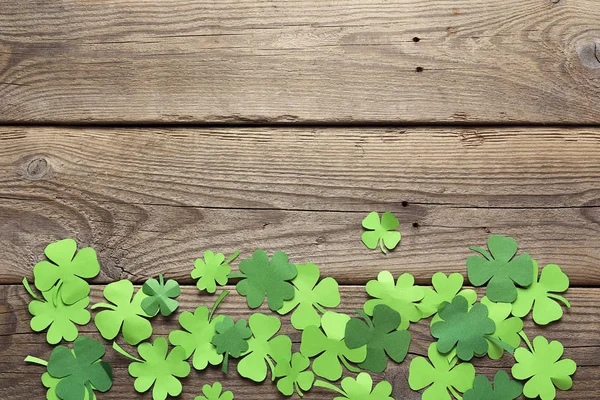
point(504, 388)
point(360, 388)
point(212, 270)
point(215, 392)
point(445, 288)
point(294, 375)
point(382, 232)
point(161, 296)
point(231, 339)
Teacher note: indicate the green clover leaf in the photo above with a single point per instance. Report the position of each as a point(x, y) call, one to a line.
point(215, 392)
point(330, 347)
point(309, 295)
point(400, 297)
point(51, 382)
point(380, 336)
point(504, 388)
point(212, 270)
point(445, 288)
point(80, 370)
point(507, 329)
point(381, 232)
point(500, 269)
point(264, 348)
point(199, 329)
point(60, 317)
point(231, 339)
point(441, 375)
point(266, 278)
point(66, 267)
point(540, 295)
point(540, 366)
point(360, 388)
point(124, 313)
point(161, 296)
point(294, 375)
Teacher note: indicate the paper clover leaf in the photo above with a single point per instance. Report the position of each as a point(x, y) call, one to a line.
point(381, 232)
point(507, 329)
point(380, 336)
point(60, 317)
point(541, 366)
point(445, 288)
point(51, 382)
point(264, 348)
point(309, 295)
point(401, 297)
point(500, 268)
point(540, 295)
point(330, 347)
point(442, 374)
point(124, 313)
point(231, 339)
point(80, 370)
point(266, 278)
point(215, 392)
point(504, 388)
point(466, 329)
point(294, 375)
point(360, 388)
point(66, 268)
point(161, 296)
point(212, 270)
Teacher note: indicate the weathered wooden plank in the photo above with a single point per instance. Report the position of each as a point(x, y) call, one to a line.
point(577, 331)
point(172, 61)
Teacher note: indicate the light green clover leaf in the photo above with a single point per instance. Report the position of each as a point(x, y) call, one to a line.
point(66, 267)
point(401, 297)
point(294, 375)
point(540, 366)
point(381, 232)
point(540, 295)
point(504, 388)
point(441, 375)
point(215, 392)
point(212, 270)
point(161, 295)
point(264, 348)
point(231, 339)
point(507, 329)
point(501, 268)
point(123, 313)
point(360, 388)
point(445, 288)
point(309, 295)
point(330, 347)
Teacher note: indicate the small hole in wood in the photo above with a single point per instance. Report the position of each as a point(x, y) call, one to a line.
point(415, 224)
point(404, 203)
point(419, 69)
point(416, 39)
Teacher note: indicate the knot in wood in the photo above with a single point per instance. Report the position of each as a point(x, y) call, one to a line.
point(37, 168)
point(589, 54)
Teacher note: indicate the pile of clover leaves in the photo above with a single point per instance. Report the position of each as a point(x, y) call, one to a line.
point(464, 327)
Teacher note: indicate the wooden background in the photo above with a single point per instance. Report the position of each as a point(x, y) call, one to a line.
point(154, 130)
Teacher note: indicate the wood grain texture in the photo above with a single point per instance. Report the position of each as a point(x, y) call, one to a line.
point(577, 331)
point(273, 61)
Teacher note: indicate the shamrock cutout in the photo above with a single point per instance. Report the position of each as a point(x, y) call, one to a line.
point(445, 288)
point(464, 328)
point(156, 368)
point(66, 268)
point(441, 375)
point(504, 388)
point(51, 382)
point(360, 388)
point(507, 329)
point(212, 270)
point(80, 370)
point(381, 232)
point(380, 336)
point(53, 313)
point(231, 339)
point(500, 269)
point(541, 366)
point(263, 348)
point(294, 375)
point(330, 347)
point(401, 297)
point(200, 328)
point(266, 278)
point(161, 296)
point(215, 392)
point(129, 315)
point(309, 295)
point(540, 295)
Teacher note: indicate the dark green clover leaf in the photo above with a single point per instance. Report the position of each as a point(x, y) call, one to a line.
point(231, 339)
point(501, 268)
point(504, 388)
point(294, 375)
point(161, 296)
point(380, 336)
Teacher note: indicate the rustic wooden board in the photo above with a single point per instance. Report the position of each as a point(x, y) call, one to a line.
point(578, 331)
point(281, 61)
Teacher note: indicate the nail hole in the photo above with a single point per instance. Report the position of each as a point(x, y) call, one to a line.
point(419, 69)
point(416, 39)
point(404, 203)
point(415, 224)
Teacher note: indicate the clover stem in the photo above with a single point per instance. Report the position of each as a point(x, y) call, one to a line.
point(505, 346)
point(366, 318)
point(161, 279)
point(327, 385)
point(454, 393)
point(381, 246)
point(319, 308)
point(233, 257)
point(225, 362)
point(348, 366)
point(29, 290)
point(483, 252)
point(526, 339)
point(36, 360)
point(221, 297)
point(88, 386)
point(559, 298)
point(272, 368)
point(104, 305)
point(124, 353)
point(297, 387)
point(234, 275)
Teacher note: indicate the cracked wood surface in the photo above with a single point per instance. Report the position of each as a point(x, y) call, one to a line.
point(288, 61)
